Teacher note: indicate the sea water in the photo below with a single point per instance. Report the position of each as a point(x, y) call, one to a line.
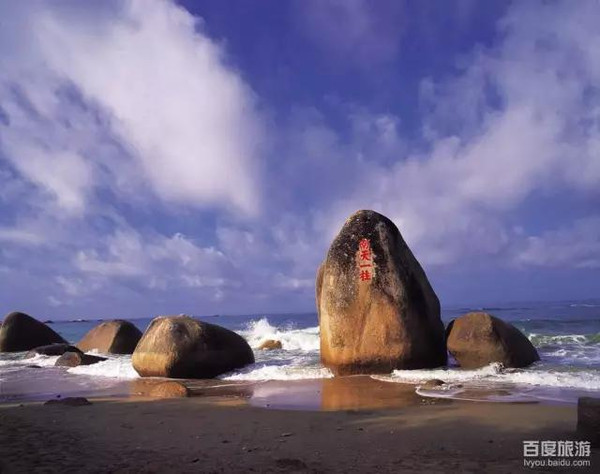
point(566, 335)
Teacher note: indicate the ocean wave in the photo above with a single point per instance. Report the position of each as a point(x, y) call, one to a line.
point(19, 360)
point(292, 339)
point(41, 360)
point(445, 374)
point(116, 367)
point(9, 363)
point(540, 340)
point(279, 372)
point(496, 374)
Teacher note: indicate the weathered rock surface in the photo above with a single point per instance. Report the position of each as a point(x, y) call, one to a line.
point(73, 359)
point(588, 420)
point(432, 383)
point(170, 390)
point(377, 310)
point(182, 347)
point(21, 332)
point(69, 402)
point(270, 344)
point(111, 337)
point(52, 350)
point(319, 286)
point(478, 339)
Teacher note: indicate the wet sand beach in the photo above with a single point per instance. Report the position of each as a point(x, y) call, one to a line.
point(339, 425)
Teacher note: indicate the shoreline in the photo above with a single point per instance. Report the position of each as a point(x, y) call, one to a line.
point(223, 432)
point(356, 392)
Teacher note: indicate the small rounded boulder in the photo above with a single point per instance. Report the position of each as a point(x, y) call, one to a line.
point(270, 345)
point(170, 390)
point(74, 359)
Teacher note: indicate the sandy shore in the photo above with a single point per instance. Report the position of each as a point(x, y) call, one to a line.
point(221, 432)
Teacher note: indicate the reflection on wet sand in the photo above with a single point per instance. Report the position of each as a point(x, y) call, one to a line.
point(338, 393)
point(361, 392)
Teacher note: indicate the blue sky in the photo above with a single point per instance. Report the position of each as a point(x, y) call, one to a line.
point(199, 157)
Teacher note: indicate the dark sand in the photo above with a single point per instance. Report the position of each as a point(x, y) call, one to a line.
point(341, 425)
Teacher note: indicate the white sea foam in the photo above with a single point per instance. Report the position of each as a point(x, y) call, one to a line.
point(459, 394)
point(19, 360)
point(116, 367)
point(562, 339)
point(306, 339)
point(447, 374)
point(568, 349)
point(586, 380)
point(279, 372)
point(9, 363)
point(495, 374)
point(41, 360)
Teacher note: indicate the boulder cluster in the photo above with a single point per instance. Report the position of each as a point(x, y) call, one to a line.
point(378, 311)
point(172, 346)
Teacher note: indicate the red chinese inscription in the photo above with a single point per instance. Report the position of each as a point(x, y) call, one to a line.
point(365, 257)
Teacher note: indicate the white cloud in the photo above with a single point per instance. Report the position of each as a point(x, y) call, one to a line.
point(20, 236)
point(576, 246)
point(155, 260)
point(134, 99)
point(290, 283)
point(521, 119)
point(76, 286)
point(142, 74)
point(64, 174)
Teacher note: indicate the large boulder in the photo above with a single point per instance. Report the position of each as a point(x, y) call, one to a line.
point(182, 347)
point(21, 332)
point(319, 286)
point(74, 359)
point(111, 337)
point(377, 310)
point(478, 339)
point(52, 350)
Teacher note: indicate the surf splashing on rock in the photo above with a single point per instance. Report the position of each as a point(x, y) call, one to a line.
point(569, 349)
point(292, 339)
point(117, 367)
point(298, 358)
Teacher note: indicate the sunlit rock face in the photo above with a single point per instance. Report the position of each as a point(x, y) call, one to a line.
point(377, 310)
point(182, 347)
point(477, 339)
